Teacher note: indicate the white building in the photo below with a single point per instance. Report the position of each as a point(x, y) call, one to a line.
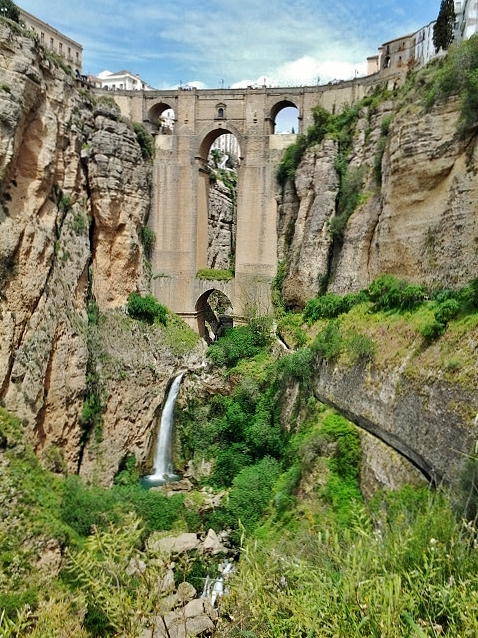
point(466, 18)
point(227, 144)
point(424, 47)
point(122, 81)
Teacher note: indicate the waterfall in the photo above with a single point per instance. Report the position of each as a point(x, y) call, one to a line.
point(214, 587)
point(163, 465)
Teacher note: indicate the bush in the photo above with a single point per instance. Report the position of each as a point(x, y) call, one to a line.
point(146, 309)
point(145, 141)
point(82, 508)
point(389, 293)
point(236, 344)
point(447, 311)
point(251, 492)
point(432, 331)
point(213, 274)
point(148, 239)
point(360, 347)
point(298, 364)
point(458, 76)
point(328, 343)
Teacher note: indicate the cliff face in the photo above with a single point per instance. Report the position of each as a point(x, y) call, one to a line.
point(421, 224)
point(74, 197)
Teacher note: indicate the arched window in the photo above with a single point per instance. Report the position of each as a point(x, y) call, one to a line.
point(220, 113)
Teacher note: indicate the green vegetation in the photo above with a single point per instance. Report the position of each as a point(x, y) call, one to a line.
point(404, 566)
point(145, 140)
point(377, 167)
point(146, 309)
point(12, 12)
point(456, 76)
point(148, 239)
point(213, 274)
point(341, 128)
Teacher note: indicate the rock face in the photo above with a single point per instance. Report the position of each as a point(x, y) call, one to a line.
point(421, 224)
point(74, 197)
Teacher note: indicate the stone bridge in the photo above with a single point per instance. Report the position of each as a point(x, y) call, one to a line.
point(179, 215)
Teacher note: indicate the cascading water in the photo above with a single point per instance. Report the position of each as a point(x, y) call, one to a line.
point(162, 464)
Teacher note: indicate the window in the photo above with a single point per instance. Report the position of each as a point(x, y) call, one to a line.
point(42, 38)
point(51, 43)
point(220, 113)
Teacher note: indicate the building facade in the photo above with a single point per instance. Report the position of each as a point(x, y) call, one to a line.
point(417, 49)
point(122, 81)
point(50, 38)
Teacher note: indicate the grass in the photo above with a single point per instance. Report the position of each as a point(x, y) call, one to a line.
point(403, 567)
point(212, 274)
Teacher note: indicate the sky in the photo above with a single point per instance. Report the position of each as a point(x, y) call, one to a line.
point(232, 44)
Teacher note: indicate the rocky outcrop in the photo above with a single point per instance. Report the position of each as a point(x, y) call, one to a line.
point(317, 188)
point(429, 420)
point(74, 196)
point(420, 224)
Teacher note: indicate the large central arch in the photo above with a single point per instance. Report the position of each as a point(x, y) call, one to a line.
point(205, 141)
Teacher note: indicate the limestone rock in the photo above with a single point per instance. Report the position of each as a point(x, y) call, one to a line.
point(167, 545)
point(212, 544)
point(317, 188)
point(185, 592)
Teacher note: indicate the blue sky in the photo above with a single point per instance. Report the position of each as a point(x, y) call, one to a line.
point(210, 43)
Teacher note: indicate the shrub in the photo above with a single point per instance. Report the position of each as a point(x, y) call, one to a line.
point(447, 311)
point(432, 331)
point(326, 306)
point(213, 274)
point(469, 295)
point(82, 508)
point(298, 364)
point(328, 343)
point(148, 239)
point(236, 344)
point(389, 293)
point(351, 180)
point(251, 492)
point(291, 160)
point(146, 309)
point(145, 141)
point(360, 347)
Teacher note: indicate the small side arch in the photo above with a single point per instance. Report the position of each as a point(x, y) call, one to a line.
point(280, 106)
point(155, 112)
point(214, 314)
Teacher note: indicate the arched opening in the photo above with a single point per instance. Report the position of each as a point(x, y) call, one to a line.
point(214, 314)
point(161, 119)
point(217, 206)
point(285, 118)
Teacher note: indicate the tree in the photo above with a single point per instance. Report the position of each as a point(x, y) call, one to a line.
point(9, 9)
point(443, 28)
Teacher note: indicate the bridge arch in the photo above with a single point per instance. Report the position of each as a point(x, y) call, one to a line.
point(216, 226)
point(156, 110)
point(280, 106)
point(210, 133)
point(213, 317)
